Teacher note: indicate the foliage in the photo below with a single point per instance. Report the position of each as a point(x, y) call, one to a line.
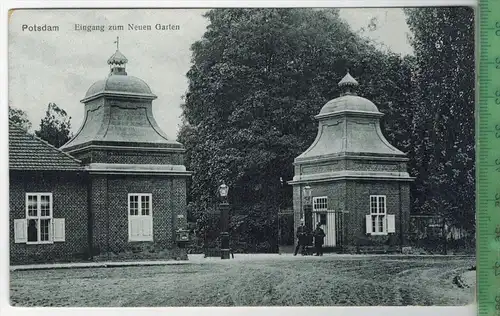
point(20, 118)
point(260, 75)
point(442, 153)
point(258, 78)
point(55, 126)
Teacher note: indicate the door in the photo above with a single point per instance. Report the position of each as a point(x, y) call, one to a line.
point(327, 221)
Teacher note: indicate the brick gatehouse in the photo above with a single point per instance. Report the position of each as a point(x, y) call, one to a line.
point(359, 184)
point(117, 189)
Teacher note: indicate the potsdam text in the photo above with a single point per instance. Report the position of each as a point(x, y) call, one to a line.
point(40, 28)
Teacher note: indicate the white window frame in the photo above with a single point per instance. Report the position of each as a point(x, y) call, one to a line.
point(320, 206)
point(317, 201)
point(39, 217)
point(378, 214)
point(139, 215)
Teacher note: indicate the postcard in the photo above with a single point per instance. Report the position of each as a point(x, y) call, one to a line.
point(242, 157)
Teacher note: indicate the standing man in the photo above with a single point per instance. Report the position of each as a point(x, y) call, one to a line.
point(302, 233)
point(319, 237)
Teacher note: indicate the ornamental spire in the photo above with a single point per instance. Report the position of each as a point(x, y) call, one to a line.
point(348, 84)
point(117, 61)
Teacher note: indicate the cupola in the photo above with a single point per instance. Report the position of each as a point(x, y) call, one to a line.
point(118, 112)
point(349, 125)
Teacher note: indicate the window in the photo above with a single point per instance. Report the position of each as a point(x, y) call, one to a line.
point(140, 217)
point(378, 222)
point(320, 204)
point(39, 226)
point(39, 217)
point(378, 213)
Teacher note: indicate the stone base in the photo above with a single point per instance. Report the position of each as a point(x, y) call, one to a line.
point(165, 254)
point(379, 249)
point(48, 258)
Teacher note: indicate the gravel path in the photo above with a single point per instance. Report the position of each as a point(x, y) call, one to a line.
point(254, 281)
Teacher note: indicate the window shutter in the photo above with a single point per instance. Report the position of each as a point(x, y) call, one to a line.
point(391, 223)
point(20, 233)
point(147, 228)
point(368, 224)
point(134, 228)
point(59, 231)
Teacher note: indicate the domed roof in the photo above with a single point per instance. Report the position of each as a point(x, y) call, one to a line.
point(349, 126)
point(120, 122)
point(120, 84)
point(349, 101)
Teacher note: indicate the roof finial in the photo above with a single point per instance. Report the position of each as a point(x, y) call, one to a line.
point(117, 61)
point(348, 83)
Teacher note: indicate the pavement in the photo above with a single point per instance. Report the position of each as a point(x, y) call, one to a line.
point(105, 264)
point(197, 259)
point(193, 259)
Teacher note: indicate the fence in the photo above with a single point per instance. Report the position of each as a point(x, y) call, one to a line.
point(432, 234)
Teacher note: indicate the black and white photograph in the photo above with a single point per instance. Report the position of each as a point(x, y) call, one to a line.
point(191, 157)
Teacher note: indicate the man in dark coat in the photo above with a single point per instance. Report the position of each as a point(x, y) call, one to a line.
point(302, 235)
point(319, 237)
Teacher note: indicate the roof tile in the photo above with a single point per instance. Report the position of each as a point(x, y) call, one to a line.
point(28, 152)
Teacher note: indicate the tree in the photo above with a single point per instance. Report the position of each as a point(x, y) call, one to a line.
point(443, 124)
point(20, 118)
point(55, 126)
point(258, 78)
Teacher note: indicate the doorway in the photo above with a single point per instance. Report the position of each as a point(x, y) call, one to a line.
point(327, 221)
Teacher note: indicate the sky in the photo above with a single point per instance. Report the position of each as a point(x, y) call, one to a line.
point(60, 66)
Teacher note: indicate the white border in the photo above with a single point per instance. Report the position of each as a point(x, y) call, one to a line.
point(230, 3)
point(5, 309)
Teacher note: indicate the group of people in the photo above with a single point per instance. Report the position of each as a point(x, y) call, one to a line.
point(303, 236)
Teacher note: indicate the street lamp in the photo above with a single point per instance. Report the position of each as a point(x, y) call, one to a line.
point(224, 209)
point(223, 191)
point(307, 192)
point(307, 218)
point(307, 200)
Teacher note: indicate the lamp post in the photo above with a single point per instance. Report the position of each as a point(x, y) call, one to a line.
point(279, 213)
point(308, 211)
point(224, 211)
point(307, 201)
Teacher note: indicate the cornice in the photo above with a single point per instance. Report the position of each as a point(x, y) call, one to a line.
point(349, 156)
point(121, 94)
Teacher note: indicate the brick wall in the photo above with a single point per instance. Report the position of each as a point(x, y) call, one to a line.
point(335, 191)
point(297, 206)
point(99, 214)
point(69, 193)
point(137, 157)
point(353, 196)
point(405, 213)
point(110, 209)
point(360, 207)
point(350, 164)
